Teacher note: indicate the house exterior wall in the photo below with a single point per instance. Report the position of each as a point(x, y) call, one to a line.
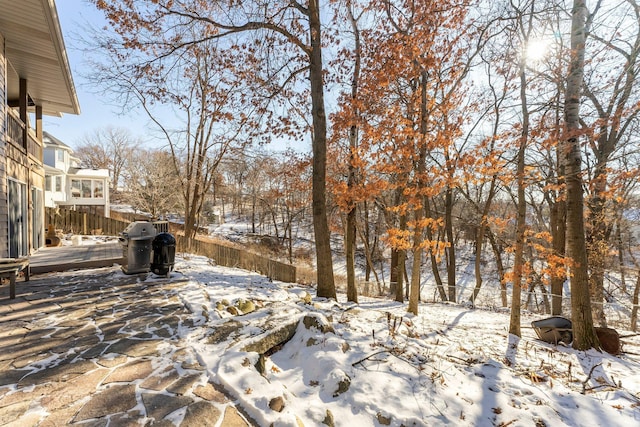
point(54, 197)
point(4, 210)
point(93, 190)
point(61, 164)
point(49, 157)
point(80, 188)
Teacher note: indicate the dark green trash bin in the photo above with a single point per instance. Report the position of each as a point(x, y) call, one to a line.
point(164, 254)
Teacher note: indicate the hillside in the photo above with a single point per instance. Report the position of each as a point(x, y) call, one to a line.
point(376, 365)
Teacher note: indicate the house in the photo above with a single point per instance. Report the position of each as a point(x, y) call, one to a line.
point(67, 184)
point(35, 80)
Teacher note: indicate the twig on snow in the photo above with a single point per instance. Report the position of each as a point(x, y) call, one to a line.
point(584, 383)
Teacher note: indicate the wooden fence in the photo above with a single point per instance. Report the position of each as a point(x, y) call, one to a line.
point(233, 257)
point(76, 222)
point(86, 223)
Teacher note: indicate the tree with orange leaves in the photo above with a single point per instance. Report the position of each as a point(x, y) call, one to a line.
point(414, 60)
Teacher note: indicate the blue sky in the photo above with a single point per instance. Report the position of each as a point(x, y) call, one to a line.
point(75, 16)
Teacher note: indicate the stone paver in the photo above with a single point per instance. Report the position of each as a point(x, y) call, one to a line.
point(199, 413)
point(62, 372)
point(74, 390)
point(161, 380)
point(103, 349)
point(117, 398)
point(134, 370)
point(183, 384)
point(159, 406)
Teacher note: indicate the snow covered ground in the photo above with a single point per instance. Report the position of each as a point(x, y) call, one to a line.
point(372, 364)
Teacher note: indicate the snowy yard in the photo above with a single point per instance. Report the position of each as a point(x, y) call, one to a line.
point(376, 365)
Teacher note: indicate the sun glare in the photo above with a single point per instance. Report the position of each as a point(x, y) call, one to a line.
point(536, 50)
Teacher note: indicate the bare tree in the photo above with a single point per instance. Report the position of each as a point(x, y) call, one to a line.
point(612, 111)
point(284, 41)
point(584, 336)
point(203, 102)
point(150, 182)
point(107, 148)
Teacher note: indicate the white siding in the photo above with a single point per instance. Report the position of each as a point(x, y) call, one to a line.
point(4, 213)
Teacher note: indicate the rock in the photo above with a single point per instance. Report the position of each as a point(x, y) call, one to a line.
point(260, 364)
point(234, 311)
point(277, 404)
point(328, 419)
point(246, 306)
point(307, 298)
point(337, 382)
point(65, 371)
point(385, 421)
point(343, 386)
point(272, 338)
point(319, 322)
point(609, 340)
point(224, 332)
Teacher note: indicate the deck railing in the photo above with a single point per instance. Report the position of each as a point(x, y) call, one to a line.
point(15, 129)
point(16, 134)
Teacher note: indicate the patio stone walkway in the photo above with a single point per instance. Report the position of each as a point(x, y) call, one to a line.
point(97, 348)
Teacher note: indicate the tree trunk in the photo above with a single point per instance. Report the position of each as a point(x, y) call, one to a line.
point(352, 179)
point(398, 264)
point(350, 243)
point(477, 266)
point(414, 295)
point(483, 229)
point(368, 253)
point(432, 256)
point(400, 271)
point(619, 243)
point(451, 250)
point(290, 240)
point(584, 336)
point(393, 271)
point(558, 225)
point(598, 243)
point(521, 215)
point(253, 213)
point(414, 290)
point(634, 310)
point(324, 261)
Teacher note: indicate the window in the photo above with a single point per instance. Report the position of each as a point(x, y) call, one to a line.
point(86, 188)
point(98, 189)
point(58, 183)
point(60, 155)
point(75, 188)
point(47, 183)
